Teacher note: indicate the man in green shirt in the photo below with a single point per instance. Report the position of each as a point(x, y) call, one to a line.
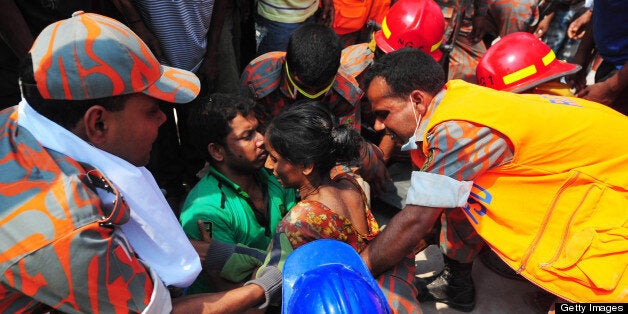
point(237, 199)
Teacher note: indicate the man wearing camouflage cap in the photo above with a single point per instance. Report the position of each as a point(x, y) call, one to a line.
point(84, 226)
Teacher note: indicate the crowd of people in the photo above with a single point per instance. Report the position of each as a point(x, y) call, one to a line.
point(170, 156)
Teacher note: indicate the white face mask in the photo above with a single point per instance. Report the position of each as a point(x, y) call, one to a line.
point(411, 144)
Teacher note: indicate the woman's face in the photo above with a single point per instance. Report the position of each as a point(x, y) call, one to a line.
point(288, 174)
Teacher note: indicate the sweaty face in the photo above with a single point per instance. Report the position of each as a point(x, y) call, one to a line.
point(393, 114)
point(245, 145)
point(132, 131)
point(287, 173)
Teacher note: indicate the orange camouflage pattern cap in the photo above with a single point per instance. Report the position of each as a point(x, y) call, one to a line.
point(91, 56)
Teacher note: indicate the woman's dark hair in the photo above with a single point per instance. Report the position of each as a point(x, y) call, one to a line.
point(209, 118)
point(66, 113)
point(307, 133)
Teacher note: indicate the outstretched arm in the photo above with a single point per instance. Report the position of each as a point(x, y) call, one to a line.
point(400, 237)
point(232, 301)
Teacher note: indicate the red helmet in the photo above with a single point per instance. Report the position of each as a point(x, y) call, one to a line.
point(520, 61)
point(412, 23)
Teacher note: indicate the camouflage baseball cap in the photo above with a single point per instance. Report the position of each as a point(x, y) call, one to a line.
point(91, 56)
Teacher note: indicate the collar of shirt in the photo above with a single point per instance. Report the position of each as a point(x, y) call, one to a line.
point(429, 112)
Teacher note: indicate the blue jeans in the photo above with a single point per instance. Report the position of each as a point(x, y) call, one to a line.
point(274, 36)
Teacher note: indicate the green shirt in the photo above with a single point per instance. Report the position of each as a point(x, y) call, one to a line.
point(223, 204)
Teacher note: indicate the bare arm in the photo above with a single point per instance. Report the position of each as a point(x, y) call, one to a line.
point(606, 92)
point(578, 27)
point(401, 236)
point(232, 301)
point(585, 54)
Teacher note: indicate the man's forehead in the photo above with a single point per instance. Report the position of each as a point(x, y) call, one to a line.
point(241, 123)
point(379, 88)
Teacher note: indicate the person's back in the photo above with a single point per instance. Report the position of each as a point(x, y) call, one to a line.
point(346, 200)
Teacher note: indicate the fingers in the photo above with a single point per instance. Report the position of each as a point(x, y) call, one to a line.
point(582, 93)
point(575, 31)
point(205, 228)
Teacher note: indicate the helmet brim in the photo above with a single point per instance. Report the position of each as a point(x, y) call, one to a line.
point(382, 44)
point(556, 70)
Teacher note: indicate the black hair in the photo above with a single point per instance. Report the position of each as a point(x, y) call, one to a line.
point(313, 54)
point(405, 70)
point(209, 118)
point(307, 133)
point(66, 113)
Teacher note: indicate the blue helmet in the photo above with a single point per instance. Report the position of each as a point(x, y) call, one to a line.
point(328, 276)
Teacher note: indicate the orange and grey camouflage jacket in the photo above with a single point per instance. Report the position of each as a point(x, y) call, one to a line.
point(59, 244)
point(264, 80)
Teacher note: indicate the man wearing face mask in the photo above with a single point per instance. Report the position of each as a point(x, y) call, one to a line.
point(311, 69)
point(540, 178)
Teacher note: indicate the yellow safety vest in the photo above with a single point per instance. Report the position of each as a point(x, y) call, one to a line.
point(558, 212)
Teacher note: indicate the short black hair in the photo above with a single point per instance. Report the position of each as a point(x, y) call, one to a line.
point(209, 118)
point(66, 113)
point(307, 133)
point(313, 54)
point(405, 70)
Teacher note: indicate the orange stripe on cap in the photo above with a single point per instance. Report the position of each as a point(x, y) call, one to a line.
point(41, 73)
point(93, 32)
point(519, 75)
point(64, 79)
